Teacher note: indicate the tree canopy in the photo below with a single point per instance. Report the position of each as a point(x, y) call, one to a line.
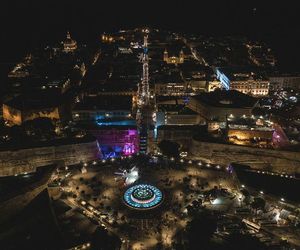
point(169, 148)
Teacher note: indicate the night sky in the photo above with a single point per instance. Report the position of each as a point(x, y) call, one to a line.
point(26, 24)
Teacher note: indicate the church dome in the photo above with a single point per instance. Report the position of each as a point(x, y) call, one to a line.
point(69, 44)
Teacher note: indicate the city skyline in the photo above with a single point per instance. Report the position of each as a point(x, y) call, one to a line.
point(35, 22)
point(149, 126)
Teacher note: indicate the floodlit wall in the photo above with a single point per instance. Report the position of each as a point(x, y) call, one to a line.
point(269, 159)
point(27, 160)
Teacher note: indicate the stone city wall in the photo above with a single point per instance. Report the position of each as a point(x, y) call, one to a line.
point(27, 160)
point(268, 159)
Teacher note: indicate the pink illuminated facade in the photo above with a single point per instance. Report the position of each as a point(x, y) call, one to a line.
point(129, 149)
point(121, 140)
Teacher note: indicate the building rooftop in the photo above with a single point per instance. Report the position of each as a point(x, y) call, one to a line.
point(226, 99)
point(243, 73)
point(37, 100)
point(173, 77)
point(105, 102)
point(95, 126)
point(173, 100)
point(180, 109)
point(179, 127)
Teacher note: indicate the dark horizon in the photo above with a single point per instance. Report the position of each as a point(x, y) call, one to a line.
point(30, 24)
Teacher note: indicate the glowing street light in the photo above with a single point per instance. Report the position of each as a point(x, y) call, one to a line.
point(261, 192)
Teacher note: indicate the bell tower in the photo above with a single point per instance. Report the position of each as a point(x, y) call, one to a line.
point(166, 55)
point(181, 56)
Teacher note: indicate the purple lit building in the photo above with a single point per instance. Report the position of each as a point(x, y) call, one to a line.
point(116, 140)
point(109, 119)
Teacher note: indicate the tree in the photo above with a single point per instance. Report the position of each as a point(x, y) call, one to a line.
point(41, 127)
point(102, 240)
point(247, 196)
point(169, 148)
point(237, 241)
point(200, 230)
point(258, 203)
point(17, 134)
point(245, 192)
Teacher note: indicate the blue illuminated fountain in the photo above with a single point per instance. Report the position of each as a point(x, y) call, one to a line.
point(143, 196)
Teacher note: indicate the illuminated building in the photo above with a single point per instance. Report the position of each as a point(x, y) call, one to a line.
point(115, 140)
point(170, 84)
point(21, 70)
point(173, 59)
point(109, 119)
point(23, 108)
point(107, 38)
point(181, 134)
point(225, 82)
point(104, 110)
point(70, 45)
point(125, 50)
point(177, 114)
point(251, 136)
point(251, 86)
point(213, 126)
point(213, 85)
point(283, 81)
point(219, 104)
point(170, 88)
point(243, 81)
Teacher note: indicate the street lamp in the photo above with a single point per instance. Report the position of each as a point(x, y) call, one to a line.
point(261, 192)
